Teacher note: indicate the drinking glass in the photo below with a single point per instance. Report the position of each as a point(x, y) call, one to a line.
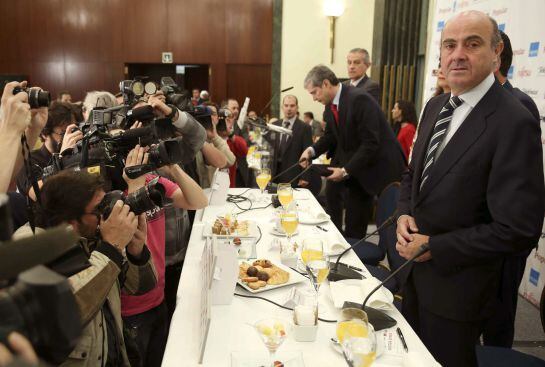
point(357, 337)
point(272, 332)
point(262, 179)
point(285, 194)
point(289, 221)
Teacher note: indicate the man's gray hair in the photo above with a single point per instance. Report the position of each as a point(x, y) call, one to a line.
point(99, 99)
point(364, 52)
point(318, 74)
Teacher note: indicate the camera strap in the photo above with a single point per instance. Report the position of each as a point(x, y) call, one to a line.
point(33, 182)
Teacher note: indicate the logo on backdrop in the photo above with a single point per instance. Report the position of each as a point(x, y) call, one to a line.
point(541, 71)
point(534, 276)
point(500, 11)
point(510, 72)
point(523, 72)
point(445, 10)
point(501, 27)
point(534, 49)
point(440, 25)
point(519, 51)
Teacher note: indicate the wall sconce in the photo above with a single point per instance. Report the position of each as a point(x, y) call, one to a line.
point(333, 9)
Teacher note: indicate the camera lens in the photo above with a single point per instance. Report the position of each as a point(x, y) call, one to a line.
point(38, 98)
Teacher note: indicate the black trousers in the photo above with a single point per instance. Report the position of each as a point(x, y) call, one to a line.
point(452, 343)
point(149, 330)
point(358, 203)
point(499, 331)
point(172, 279)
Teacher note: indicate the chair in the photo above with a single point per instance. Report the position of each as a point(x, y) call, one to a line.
point(369, 253)
point(505, 357)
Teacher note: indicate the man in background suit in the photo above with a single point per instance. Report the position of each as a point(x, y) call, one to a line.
point(357, 63)
point(499, 330)
point(289, 148)
point(506, 59)
point(366, 154)
point(473, 193)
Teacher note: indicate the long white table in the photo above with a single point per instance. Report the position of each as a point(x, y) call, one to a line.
point(231, 326)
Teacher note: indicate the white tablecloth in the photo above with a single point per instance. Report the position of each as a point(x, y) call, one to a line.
point(231, 326)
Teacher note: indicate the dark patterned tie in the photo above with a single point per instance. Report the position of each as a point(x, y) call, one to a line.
point(439, 131)
point(284, 137)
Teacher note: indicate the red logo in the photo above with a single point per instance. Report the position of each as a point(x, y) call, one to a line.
point(444, 10)
point(523, 73)
point(520, 51)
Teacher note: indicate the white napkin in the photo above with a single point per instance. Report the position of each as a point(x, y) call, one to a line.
point(335, 244)
point(355, 290)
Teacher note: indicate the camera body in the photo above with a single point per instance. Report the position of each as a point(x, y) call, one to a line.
point(36, 97)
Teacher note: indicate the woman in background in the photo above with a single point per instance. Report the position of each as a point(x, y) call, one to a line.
point(404, 116)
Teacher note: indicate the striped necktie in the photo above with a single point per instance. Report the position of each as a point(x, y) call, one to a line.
point(439, 131)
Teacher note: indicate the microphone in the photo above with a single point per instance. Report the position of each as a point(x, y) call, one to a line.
point(377, 318)
point(271, 127)
point(273, 97)
point(339, 271)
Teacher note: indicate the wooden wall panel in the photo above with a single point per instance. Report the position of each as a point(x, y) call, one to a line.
point(81, 45)
point(252, 81)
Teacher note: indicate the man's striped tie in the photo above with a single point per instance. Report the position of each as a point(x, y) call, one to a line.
point(439, 131)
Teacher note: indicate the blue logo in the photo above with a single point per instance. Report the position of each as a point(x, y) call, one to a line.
point(534, 48)
point(510, 72)
point(440, 25)
point(501, 27)
point(534, 276)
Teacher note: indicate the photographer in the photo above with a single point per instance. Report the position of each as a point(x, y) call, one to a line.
point(146, 315)
point(236, 144)
point(215, 152)
point(119, 260)
point(57, 136)
point(16, 118)
point(97, 99)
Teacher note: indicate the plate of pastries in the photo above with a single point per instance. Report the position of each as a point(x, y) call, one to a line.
point(262, 275)
point(230, 227)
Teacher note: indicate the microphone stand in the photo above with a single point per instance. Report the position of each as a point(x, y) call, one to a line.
point(338, 272)
point(379, 319)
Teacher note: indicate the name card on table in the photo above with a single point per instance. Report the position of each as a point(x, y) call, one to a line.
point(219, 187)
point(225, 272)
point(207, 263)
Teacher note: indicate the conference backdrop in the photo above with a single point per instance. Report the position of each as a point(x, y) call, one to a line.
point(523, 22)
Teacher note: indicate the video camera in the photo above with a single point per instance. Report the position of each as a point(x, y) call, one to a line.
point(37, 300)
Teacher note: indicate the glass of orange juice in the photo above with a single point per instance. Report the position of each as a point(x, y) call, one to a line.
point(285, 194)
point(262, 179)
point(357, 337)
point(289, 222)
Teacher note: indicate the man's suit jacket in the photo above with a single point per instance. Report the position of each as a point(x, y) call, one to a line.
point(368, 85)
point(294, 147)
point(523, 98)
point(363, 142)
point(483, 200)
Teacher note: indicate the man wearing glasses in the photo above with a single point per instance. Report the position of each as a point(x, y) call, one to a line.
point(60, 119)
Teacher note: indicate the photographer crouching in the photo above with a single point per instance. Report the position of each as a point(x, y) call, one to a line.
point(118, 256)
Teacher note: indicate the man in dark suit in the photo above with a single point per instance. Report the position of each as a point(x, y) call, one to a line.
point(499, 330)
point(506, 58)
point(289, 148)
point(366, 154)
point(357, 63)
point(473, 192)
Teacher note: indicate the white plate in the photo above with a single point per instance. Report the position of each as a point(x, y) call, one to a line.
point(307, 218)
point(295, 278)
point(253, 232)
point(275, 232)
point(353, 290)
